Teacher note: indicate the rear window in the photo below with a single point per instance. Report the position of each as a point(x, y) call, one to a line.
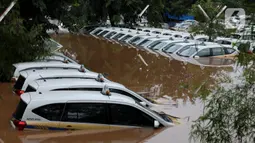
point(20, 110)
point(30, 89)
point(20, 82)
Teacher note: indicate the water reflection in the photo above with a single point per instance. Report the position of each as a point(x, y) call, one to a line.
point(114, 136)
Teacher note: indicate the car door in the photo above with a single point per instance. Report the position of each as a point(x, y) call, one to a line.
point(125, 116)
point(85, 115)
point(229, 52)
point(218, 52)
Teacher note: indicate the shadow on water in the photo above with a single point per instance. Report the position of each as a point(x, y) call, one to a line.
point(160, 77)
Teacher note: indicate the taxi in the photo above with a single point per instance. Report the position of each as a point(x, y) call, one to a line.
point(79, 110)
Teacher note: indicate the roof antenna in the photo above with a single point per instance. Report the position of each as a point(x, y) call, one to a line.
point(106, 90)
point(65, 60)
point(100, 78)
point(82, 68)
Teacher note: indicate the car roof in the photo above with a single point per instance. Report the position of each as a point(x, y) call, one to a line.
point(56, 72)
point(45, 64)
point(159, 38)
point(76, 96)
point(147, 36)
point(71, 82)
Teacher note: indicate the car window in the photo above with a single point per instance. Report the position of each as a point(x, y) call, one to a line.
point(125, 93)
point(178, 36)
point(229, 50)
point(202, 39)
point(20, 82)
point(98, 31)
point(159, 46)
point(126, 37)
point(153, 44)
point(85, 113)
point(226, 43)
point(20, 110)
point(117, 36)
point(156, 32)
point(103, 33)
point(135, 39)
point(204, 53)
point(30, 89)
point(144, 42)
point(217, 51)
point(50, 112)
point(110, 34)
point(173, 48)
point(187, 51)
point(167, 34)
point(219, 41)
point(168, 46)
point(130, 116)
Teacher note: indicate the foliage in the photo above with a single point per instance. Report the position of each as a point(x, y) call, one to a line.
point(214, 26)
point(18, 44)
point(179, 7)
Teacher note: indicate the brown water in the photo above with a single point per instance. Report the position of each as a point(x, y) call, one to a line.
point(173, 84)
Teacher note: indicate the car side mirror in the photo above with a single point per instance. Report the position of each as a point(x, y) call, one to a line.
point(196, 57)
point(143, 103)
point(156, 124)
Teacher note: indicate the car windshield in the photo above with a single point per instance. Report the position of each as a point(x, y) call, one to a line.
point(127, 37)
point(153, 44)
point(135, 39)
point(161, 114)
point(187, 51)
point(159, 46)
point(144, 42)
point(173, 48)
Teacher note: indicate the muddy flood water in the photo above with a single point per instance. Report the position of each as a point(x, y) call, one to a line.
point(177, 86)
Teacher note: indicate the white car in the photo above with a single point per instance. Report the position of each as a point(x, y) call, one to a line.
point(28, 76)
point(18, 67)
point(208, 50)
point(66, 84)
point(69, 110)
point(165, 45)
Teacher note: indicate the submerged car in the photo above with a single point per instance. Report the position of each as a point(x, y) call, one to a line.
point(89, 84)
point(18, 67)
point(28, 76)
point(211, 50)
point(70, 110)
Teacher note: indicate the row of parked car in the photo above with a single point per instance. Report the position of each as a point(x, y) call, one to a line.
point(172, 44)
point(57, 93)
